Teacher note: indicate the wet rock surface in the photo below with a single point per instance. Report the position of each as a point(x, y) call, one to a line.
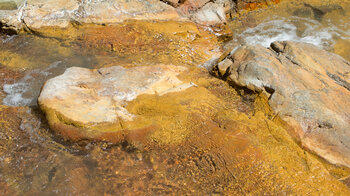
point(307, 86)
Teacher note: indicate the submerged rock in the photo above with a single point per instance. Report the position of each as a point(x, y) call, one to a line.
point(84, 103)
point(308, 87)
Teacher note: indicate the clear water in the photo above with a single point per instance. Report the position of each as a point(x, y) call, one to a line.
point(330, 31)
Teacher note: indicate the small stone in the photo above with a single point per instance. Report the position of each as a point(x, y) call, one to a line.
point(224, 65)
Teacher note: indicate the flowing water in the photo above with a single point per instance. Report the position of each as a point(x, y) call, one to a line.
point(329, 30)
point(33, 160)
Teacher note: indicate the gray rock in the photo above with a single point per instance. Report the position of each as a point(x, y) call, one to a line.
point(307, 86)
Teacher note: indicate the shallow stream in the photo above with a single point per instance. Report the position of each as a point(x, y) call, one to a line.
point(33, 160)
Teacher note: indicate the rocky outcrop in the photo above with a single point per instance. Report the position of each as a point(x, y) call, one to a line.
point(88, 103)
point(34, 14)
point(308, 87)
point(39, 13)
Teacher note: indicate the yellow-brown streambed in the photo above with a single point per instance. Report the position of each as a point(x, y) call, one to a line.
point(209, 139)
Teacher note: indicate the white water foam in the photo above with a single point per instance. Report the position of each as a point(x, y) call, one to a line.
point(26, 90)
point(294, 29)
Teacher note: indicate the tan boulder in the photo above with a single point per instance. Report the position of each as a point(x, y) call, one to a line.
point(32, 15)
point(41, 13)
point(84, 103)
point(307, 86)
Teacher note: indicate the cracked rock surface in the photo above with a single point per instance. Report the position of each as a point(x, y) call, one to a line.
point(307, 86)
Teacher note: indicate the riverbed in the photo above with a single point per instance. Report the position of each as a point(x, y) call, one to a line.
point(35, 160)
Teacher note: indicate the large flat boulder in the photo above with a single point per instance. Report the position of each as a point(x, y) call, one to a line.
point(32, 15)
point(41, 13)
point(307, 86)
point(84, 103)
point(35, 14)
